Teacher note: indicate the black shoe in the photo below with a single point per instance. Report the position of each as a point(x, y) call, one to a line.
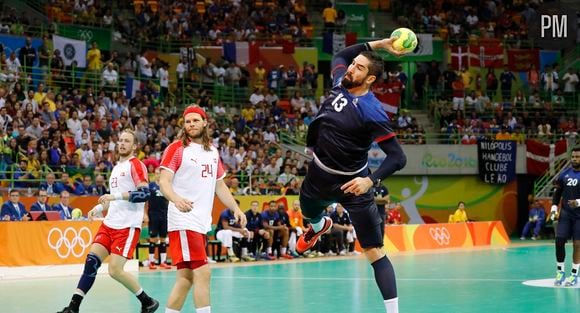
point(68, 310)
point(150, 308)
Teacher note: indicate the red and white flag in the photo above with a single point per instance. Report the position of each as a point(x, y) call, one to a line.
point(486, 56)
point(541, 157)
point(458, 57)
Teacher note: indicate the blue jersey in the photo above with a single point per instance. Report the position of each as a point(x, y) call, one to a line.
point(228, 217)
point(273, 219)
point(569, 182)
point(345, 127)
point(254, 220)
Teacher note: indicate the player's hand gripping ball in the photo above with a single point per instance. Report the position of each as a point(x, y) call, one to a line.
point(406, 40)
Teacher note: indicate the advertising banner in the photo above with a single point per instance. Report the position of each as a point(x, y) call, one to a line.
point(89, 34)
point(497, 161)
point(46, 243)
point(357, 16)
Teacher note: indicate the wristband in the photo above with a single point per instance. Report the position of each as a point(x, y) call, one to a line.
point(118, 195)
point(98, 208)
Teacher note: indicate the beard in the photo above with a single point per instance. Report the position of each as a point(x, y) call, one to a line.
point(125, 154)
point(348, 82)
point(576, 166)
point(194, 134)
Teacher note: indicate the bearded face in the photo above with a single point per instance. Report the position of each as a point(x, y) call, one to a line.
point(348, 82)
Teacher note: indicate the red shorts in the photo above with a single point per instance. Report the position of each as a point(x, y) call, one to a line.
point(118, 241)
point(187, 249)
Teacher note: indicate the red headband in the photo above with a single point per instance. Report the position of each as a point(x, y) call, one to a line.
point(194, 109)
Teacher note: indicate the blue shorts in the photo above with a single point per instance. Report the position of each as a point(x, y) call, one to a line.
point(320, 189)
point(568, 226)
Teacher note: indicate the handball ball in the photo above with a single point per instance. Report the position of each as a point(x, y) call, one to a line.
point(77, 214)
point(406, 40)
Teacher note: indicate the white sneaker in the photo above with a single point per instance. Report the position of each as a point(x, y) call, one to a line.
point(356, 252)
point(342, 252)
point(522, 238)
point(210, 260)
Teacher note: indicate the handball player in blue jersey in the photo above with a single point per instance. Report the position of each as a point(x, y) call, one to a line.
point(339, 138)
point(568, 190)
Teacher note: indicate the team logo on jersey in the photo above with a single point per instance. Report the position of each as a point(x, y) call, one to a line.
point(214, 160)
point(122, 174)
point(193, 160)
point(355, 101)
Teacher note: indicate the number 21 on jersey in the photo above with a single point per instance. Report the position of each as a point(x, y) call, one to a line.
point(339, 102)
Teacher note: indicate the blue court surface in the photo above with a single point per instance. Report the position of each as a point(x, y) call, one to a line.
point(517, 278)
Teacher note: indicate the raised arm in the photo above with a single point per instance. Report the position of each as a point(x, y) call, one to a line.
point(343, 59)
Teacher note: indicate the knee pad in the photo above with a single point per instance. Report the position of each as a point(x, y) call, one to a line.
point(92, 265)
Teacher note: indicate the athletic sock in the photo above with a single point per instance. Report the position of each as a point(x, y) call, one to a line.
point(151, 252)
point(75, 302)
point(143, 297)
point(385, 278)
point(205, 309)
point(575, 268)
point(163, 252)
point(392, 305)
point(168, 310)
point(560, 266)
point(283, 250)
point(316, 227)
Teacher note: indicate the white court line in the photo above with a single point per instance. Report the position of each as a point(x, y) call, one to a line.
point(368, 279)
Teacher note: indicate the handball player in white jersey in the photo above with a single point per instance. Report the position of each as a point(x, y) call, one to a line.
point(191, 173)
point(118, 235)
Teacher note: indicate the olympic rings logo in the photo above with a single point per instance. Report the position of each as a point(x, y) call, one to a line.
point(85, 34)
point(441, 235)
point(70, 241)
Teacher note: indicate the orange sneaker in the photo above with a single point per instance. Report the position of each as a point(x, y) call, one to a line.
point(309, 239)
point(152, 266)
point(164, 266)
point(287, 256)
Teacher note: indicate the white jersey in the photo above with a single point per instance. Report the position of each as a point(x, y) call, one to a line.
point(196, 173)
point(125, 177)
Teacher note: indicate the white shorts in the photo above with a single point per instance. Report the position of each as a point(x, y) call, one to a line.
point(458, 104)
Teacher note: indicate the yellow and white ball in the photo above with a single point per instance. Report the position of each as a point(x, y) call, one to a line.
point(406, 40)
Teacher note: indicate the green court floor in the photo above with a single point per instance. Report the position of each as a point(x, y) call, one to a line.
point(488, 280)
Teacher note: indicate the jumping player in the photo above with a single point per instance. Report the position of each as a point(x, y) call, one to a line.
point(118, 235)
point(568, 190)
point(340, 136)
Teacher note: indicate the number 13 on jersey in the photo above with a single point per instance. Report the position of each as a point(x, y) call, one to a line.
point(339, 102)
